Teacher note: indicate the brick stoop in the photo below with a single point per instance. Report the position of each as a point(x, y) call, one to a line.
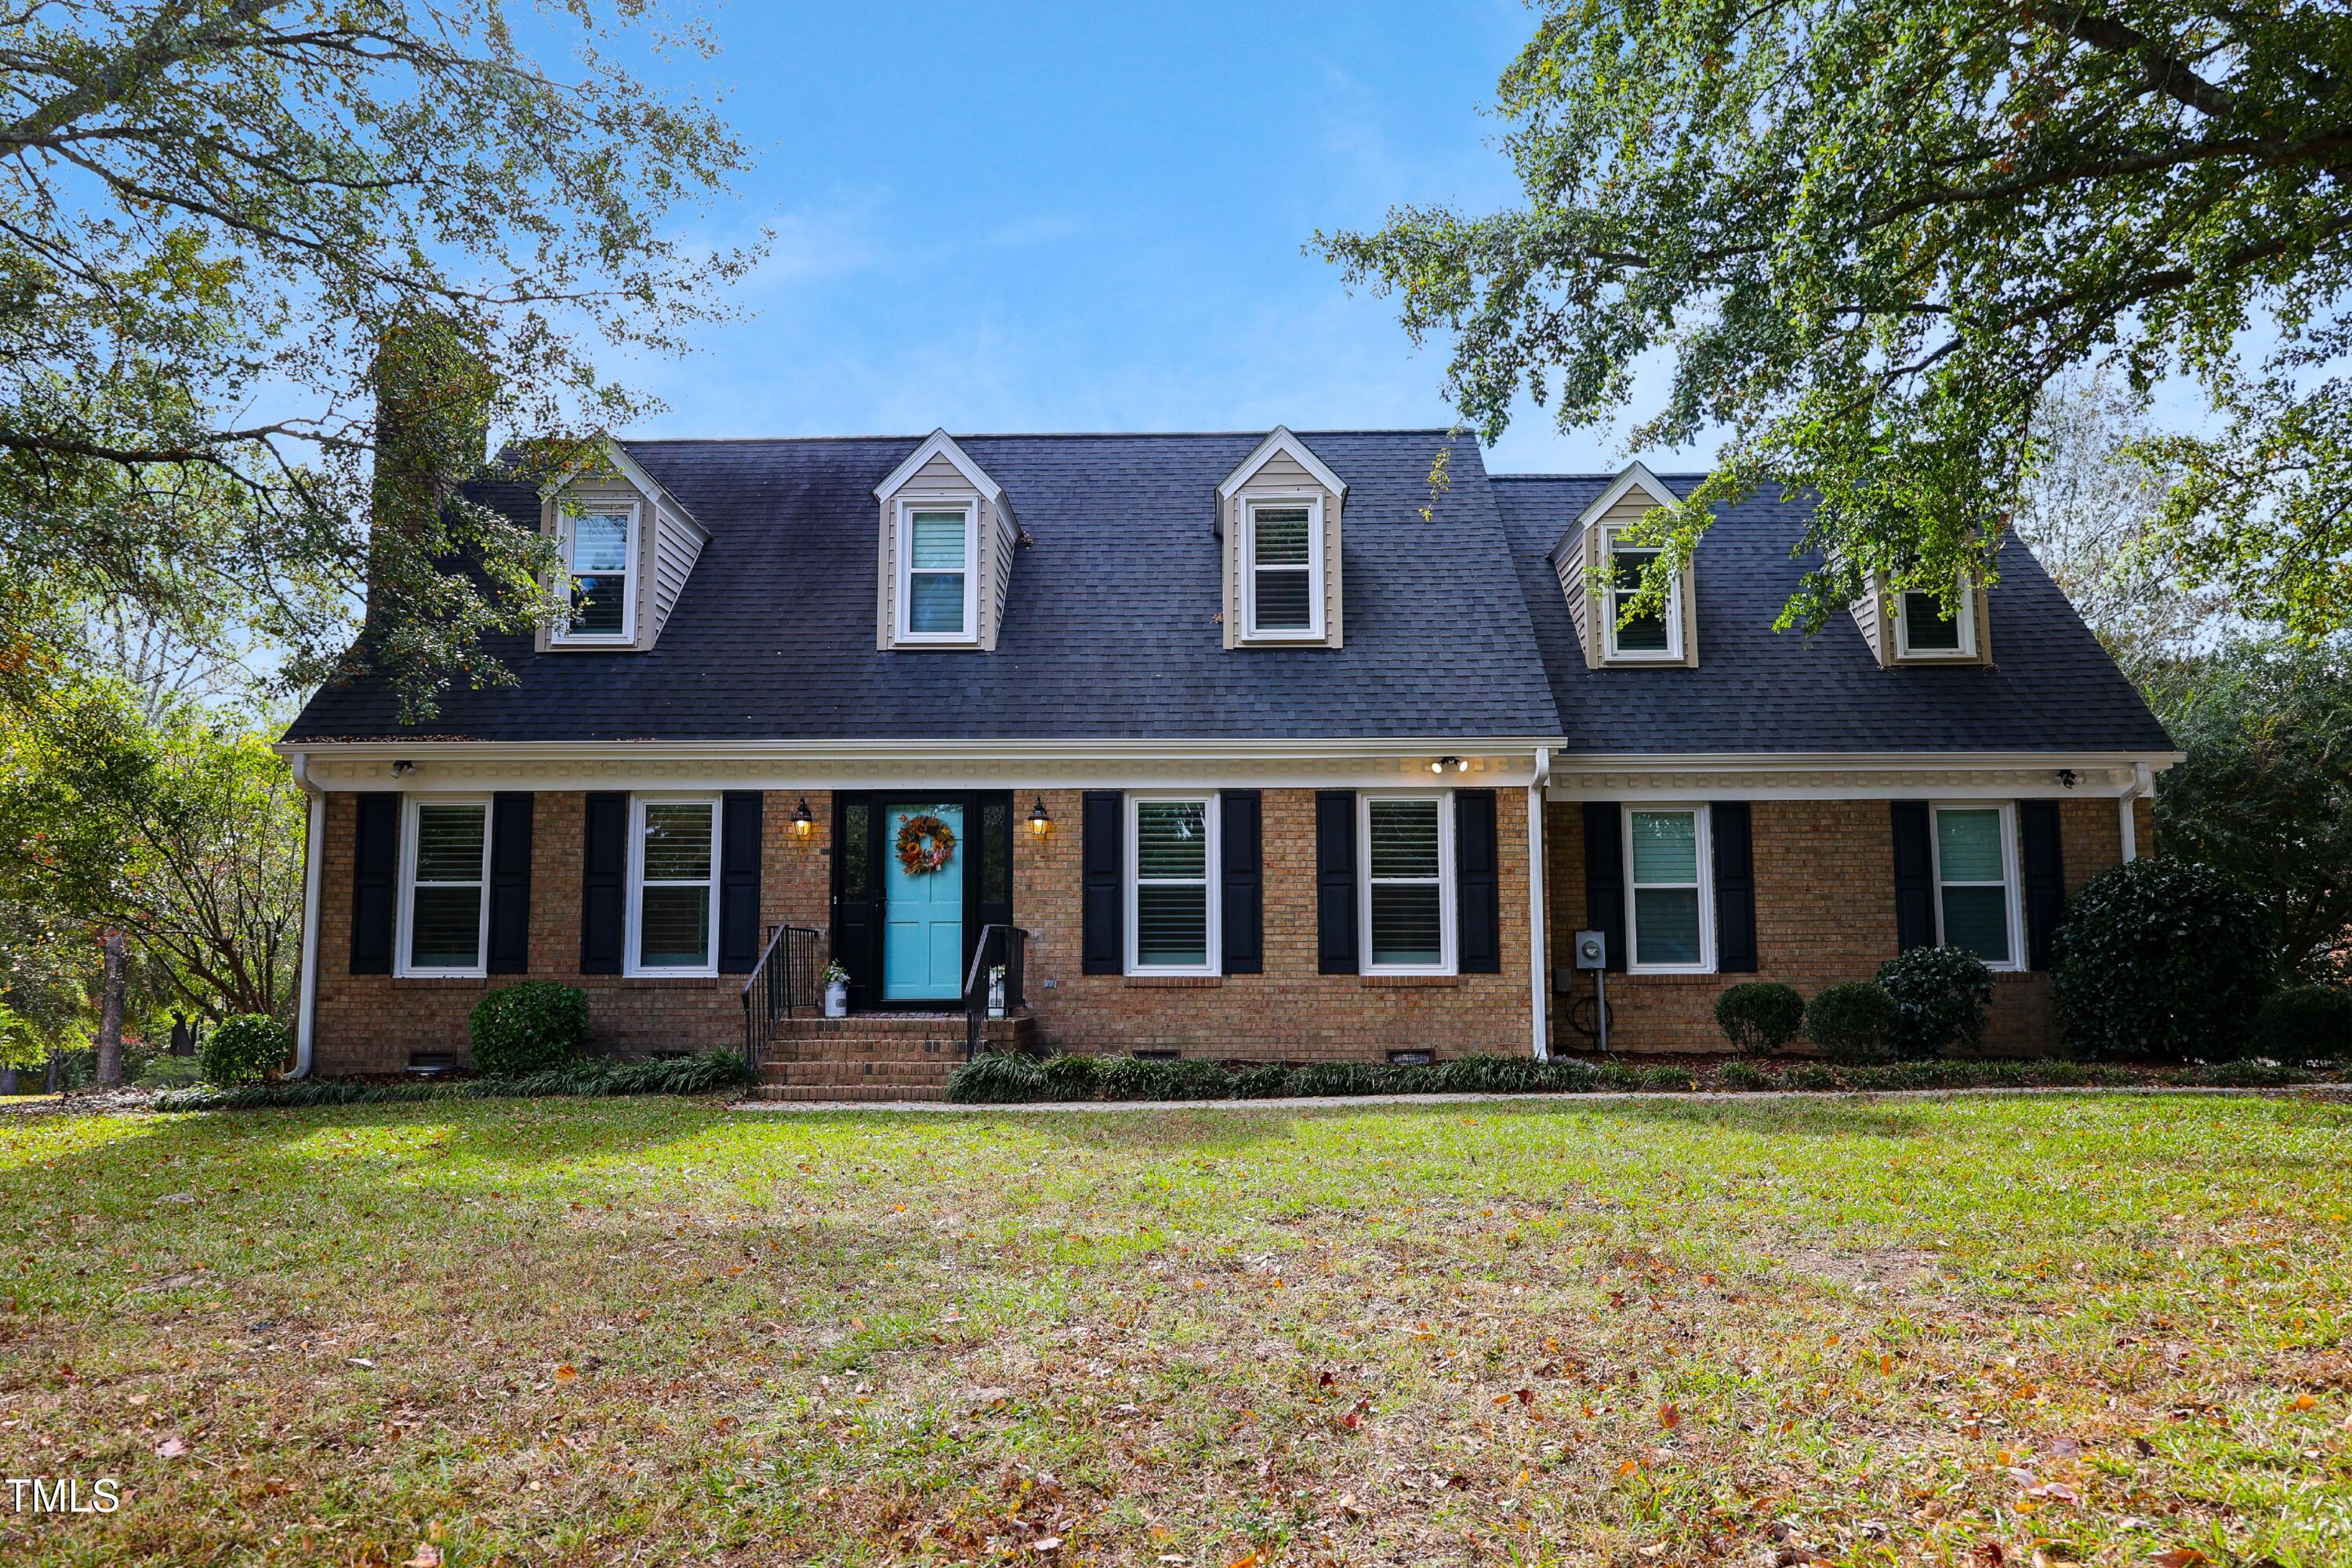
point(876, 1056)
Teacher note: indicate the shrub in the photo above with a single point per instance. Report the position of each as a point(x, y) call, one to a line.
point(535, 1026)
point(170, 1072)
point(1261, 1083)
point(1743, 1075)
point(1072, 1078)
point(1663, 1079)
point(2305, 1021)
point(1809, 1075)
point(1162, 1078)
point(2159, 958)
point(2248, 1074)
point(994, 1078)
point(1856, 1020)
point(1321, 1079)
point(704, 1074)
point(1760, 1016)
point(244, 1049)
point(1942, 994)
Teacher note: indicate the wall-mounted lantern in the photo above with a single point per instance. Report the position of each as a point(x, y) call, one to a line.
point(803, 823)
point(1040, 823)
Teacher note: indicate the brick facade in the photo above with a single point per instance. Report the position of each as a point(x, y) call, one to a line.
point(370, 1024)
point(1824, 912)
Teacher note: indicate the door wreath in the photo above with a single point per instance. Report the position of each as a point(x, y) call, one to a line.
point(925, 844)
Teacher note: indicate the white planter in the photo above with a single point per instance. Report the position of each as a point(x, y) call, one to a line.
point(836, 999)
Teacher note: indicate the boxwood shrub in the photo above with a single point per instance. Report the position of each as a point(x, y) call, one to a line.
point(2305, 1021)
point(2161, 959)
point(1760, 1016)
point(245, 1048)
point(538, 1026)
point(1942, 994)
point(1856, 1021)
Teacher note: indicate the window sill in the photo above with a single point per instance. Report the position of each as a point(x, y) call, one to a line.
point(687, 980)
point(1174, 981)
point(443, 982)
point(1412, 981)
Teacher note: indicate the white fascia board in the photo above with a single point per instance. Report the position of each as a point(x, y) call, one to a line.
point(1856, 775)
point(939, 444)
point(616, 459)
point(1635, 476)
point(1281, 441)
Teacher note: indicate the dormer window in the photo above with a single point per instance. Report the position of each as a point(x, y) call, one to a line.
point(1284, 586)
point(1923, 629)
point(600, 547)
point(936, 586)
point(1653, 634)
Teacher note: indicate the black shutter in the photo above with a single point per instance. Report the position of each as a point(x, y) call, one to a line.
point(857, 897)
point(1103, 855)
point(510, 813)
point(376, 881)
point(1735, 887)
point(1335, 881)
point(1242, 908)
point(603, 878)
point(1915, 875)
point(1604, 877)
point(738, 880)
point(2045, 878)
point(1478, 884)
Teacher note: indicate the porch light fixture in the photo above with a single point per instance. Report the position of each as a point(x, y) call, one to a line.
point(803, 823)
point(1040, 823)
point(1457, 763)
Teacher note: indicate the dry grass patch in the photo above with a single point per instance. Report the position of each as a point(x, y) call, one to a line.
point(1634, 1334)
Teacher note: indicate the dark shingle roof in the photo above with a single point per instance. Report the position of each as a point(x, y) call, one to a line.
point(2051, 686)
point(1109, 631)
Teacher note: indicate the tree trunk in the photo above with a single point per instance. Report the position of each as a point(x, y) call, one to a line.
point(109, 1010)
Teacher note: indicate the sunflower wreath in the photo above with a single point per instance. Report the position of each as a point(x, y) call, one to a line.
point(925, 844)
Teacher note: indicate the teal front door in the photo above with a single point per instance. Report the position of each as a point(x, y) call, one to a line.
point(922, 941)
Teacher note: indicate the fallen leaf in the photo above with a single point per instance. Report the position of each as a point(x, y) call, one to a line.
point(2303, 1402)
point(426, 1557)
point(1669, 1416)
point(567, 1372)
point(2179, 1557)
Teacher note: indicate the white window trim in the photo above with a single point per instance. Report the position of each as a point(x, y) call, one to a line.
point(1704, 844)
point(411, 840)
point(564, 636)
point(1449, 962)
point(634, 964)
point(1674, 610)
point(1210, 872)
point(1967, 628)
point(1315, 590)
point(907, 508)
point(2012, 903)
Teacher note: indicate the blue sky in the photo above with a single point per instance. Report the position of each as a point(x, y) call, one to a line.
point(1085, 217)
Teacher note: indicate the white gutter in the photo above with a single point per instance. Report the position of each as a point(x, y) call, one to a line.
point(2128, 817)
point(306, 1014)
point(1536, 946)
point(852, 748)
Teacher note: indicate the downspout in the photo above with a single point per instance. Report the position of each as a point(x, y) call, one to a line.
point(2143, 782)
point(306, 1006)
point(1538, 947)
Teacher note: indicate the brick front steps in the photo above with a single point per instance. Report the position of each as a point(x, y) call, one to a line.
point(876, 1055)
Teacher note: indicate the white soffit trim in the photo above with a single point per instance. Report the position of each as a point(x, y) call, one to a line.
point(1291, 446)
point(1854, 775)
point(1636, 475)
point(616, 459)
point(939, 444)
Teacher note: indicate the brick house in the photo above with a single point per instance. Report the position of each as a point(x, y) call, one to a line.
point(1252, 748)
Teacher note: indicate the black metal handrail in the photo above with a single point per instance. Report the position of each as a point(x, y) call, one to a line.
point(786, 979)
point(1000, 947)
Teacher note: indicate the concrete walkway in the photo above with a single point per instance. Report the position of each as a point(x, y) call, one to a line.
point(2332, 1091)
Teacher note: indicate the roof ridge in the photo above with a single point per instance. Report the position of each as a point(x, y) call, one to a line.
point(1031, 436)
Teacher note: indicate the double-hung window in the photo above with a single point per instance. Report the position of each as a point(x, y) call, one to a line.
point(1172, 896)
point(1669, 915)
point(1922, 629)
point(1976, 883)
point(1653, 634)
point(1283, 568)
point(444, 906)
point(673, 885)
point(937, 580)
point(1406, 848)
point(600, 551)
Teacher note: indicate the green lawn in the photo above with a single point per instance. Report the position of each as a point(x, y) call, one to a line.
point(1635, 1333)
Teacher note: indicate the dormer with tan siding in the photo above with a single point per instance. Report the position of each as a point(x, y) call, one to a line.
point(1600, 569)
point(1912, 628)
point(628, 547)
point(1279, 517)
point(945, 552)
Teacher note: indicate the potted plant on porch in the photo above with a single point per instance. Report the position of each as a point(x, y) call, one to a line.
point(836, 990)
